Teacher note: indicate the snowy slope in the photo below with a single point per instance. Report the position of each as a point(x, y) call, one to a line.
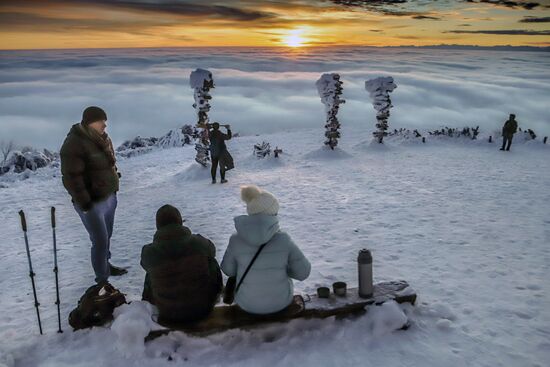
point(465, 224)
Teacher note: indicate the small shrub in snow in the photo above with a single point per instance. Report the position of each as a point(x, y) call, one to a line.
point(262, 150)
point(27, 159)
point(529, 134)
point(405, 133)
point(174, 138)
point(330, 89)
point(136, 146)
point(379, 90)
point(469, 132)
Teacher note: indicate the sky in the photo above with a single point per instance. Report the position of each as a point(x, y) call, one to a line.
point(146, 92)
point(55, 24)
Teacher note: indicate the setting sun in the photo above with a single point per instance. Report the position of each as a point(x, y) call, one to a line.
point(294, 38)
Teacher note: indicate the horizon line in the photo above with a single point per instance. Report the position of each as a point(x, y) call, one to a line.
point(277, 47)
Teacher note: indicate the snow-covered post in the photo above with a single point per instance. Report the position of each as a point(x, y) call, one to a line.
point(201, 81)
point(379, 90)
point(330, 89)
point(262, 150)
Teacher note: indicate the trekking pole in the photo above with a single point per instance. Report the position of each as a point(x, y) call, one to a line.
point(31, 272)
point(55, 270)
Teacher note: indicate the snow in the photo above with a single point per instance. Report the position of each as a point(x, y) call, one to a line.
point(379, 90)
point(327, 87)
point(464, 223)
point(131, 325)
point(198, 77)
point(174, 138)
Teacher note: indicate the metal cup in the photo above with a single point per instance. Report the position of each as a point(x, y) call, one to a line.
point(339, 289)
point(323, 292)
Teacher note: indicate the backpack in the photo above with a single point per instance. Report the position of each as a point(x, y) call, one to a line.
point(96, 306)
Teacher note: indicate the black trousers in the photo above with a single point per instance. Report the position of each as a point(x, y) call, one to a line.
point(215, 162)
point(506, 140)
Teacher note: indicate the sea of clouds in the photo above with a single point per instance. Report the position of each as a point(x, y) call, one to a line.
point(146, 91)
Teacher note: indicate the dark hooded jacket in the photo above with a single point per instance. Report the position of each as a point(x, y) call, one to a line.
point(510, 128)
point(217, 142)
point(183, 277)
point(88, 166)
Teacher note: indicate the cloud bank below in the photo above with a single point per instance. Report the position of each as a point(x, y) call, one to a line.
point(146, 91)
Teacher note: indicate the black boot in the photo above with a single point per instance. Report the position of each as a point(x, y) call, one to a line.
point(116, 271)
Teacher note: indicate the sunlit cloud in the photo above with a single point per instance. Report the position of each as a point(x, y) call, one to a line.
point(295, 38)
point(284, 23)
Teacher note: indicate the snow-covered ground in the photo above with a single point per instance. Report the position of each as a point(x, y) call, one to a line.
point(466, 224)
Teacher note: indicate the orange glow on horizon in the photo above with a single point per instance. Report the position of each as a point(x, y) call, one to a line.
point(66, 25)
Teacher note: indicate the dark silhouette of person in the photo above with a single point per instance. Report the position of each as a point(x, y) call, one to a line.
point(218, 151)
point(508, 130)
point(183, 278)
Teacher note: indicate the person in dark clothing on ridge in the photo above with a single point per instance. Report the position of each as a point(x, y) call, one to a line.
point(508, 130)
point(183, 278)
point(91, 178)
point(218, 151)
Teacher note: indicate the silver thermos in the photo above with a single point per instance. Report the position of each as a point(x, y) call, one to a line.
point(364, 266)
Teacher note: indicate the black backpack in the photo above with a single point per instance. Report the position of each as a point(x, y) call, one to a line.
point(95, 307)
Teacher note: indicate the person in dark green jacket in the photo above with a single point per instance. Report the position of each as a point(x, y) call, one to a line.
point(508, 130)
point(183, 278)
point(91, 179)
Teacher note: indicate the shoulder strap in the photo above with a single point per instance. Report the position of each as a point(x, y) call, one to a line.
point(249, 266)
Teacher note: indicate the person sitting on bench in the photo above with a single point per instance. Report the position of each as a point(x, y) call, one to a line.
point(267, 288)
point(183, 277)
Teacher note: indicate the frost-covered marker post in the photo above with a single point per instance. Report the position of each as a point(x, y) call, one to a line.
point(330, 89)
point(379, 90)
point(201, 81)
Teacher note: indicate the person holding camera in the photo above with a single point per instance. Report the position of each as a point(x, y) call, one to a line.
point(218, 151)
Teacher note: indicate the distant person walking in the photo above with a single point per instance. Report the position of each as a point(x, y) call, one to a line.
point(91, 178)
point(218, 151)
point(508, 130)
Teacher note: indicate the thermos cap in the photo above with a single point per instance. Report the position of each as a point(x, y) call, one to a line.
point(364, 257)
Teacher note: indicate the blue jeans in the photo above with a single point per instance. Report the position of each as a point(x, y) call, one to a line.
point(99, 221)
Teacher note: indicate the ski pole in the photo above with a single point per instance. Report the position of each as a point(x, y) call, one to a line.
point(55, 270)
point(31, 272)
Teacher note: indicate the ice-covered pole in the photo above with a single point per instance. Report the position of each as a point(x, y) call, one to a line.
point(201, 82)
point(379, 90)
point(330, 89)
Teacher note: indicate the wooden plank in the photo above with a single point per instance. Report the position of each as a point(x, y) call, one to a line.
point(311, 306)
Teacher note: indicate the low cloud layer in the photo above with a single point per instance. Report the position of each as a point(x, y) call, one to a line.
point(146, 92)
point(506, 31)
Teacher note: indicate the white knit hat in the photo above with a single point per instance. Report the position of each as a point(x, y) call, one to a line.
point(259, 201)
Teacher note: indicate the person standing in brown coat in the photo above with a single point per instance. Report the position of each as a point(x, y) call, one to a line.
point(218, 151)
point(91, 179)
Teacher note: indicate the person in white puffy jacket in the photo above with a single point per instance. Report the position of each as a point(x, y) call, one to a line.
point(268, 286)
